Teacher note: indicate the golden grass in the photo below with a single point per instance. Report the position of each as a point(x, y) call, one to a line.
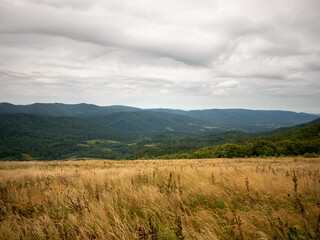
point(161, 199)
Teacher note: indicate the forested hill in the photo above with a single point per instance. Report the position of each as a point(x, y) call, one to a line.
point(27, 136)
point(245, 119)
point(60, 109)
point(35, 125)
point(59, 131)
point(148, 121)
point(45, 137)
point(299, 140)
point(136, 119)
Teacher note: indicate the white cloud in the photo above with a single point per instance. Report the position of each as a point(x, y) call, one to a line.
point(158, 50)
point(228, 84)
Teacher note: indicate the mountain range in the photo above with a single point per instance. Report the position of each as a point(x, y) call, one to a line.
point(136, 119)
point(56, 131)
point(302, 139)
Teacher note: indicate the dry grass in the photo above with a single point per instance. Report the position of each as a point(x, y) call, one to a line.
point(168, 199)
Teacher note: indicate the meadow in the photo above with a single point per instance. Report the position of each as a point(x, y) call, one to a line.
point(252, 198)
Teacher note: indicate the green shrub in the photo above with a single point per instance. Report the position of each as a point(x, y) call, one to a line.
point(310, 155)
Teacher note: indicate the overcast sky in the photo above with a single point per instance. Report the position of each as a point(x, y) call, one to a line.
point(187, 54)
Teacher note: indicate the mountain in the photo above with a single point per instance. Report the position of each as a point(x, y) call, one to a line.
point(160, 147)
point(191, 144)
point(26, 136)
point(299, 140)
point(46, 137)
point(152, 120)
point(53, 131)
point(305, 131)
point(146, 134)
point(59, 109)
point(148, 121)
point(246, 120)
point(284, 130)
point(33, 124)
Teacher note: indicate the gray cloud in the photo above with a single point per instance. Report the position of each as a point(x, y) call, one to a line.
point(167, 54)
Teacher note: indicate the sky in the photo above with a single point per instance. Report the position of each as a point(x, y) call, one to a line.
point(182, 54)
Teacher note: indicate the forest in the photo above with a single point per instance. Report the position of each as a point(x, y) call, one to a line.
point(39, 137)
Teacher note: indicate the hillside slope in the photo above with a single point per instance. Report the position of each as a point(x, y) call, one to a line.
point(59, 109)
point(45, 137)
point(148, 121)
point(136, 119)
point(247, 120)
point(299, 140)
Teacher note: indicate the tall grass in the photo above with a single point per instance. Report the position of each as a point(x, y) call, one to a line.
point(168, 199)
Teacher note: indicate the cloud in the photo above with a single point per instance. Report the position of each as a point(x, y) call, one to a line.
point(86, 50)
point(228, 84)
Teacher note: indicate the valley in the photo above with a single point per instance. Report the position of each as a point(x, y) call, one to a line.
point(62, 131)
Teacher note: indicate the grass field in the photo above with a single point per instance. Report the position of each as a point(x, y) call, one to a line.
point(276, 198)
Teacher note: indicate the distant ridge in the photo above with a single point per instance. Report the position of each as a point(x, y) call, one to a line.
point(139, 134)
point(61, 109)
point(300, 140)
point(137, 119)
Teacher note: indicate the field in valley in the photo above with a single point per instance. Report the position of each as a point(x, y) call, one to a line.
point(275, 198)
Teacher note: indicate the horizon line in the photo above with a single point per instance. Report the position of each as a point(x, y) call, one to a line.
point(162, 108)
